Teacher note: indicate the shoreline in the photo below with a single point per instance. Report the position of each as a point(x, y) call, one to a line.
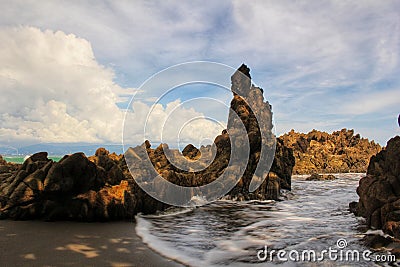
point(39, 243)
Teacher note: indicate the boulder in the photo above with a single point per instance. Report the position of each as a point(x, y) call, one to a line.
point(320, 177)
point(191, 152)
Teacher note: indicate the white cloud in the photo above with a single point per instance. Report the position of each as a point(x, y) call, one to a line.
point(54, 90)
point(372, 102)
point(174, 124)
point(318, 43)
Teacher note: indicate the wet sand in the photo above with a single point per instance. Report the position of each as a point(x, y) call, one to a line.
point(36, 243)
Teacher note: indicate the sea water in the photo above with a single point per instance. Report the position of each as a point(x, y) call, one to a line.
point(314, 216)
point(21, 159)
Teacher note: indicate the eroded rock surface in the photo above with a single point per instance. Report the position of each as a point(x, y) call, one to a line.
point(339, 152)
point(75, 188)
point(379, 193)
point(379, 190)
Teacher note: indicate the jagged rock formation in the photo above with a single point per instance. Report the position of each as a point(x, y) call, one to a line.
point(379, 191)
point(247, 104)
point(75, 188)
point(102, 187)
point(339, 152)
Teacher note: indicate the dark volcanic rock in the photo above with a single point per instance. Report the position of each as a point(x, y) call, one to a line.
point(72, 189)
point(339, 152)
point(73, 175)
point(191, 152)
point(379, 191)
point(7, 169)
point(320, 177)
point(111, 165)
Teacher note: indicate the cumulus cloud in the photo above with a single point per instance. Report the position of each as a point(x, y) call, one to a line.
point(173, 123)
point(54, 90)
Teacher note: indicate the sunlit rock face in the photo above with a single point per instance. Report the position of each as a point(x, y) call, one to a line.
point(321, 152)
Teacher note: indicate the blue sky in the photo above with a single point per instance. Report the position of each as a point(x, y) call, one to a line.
point(323, 64)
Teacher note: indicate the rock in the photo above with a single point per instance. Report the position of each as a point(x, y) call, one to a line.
point(320, 177)
point(73, 175)
point(101, 152)
point(74, 188)
point(283, 164)
point(377, 241)
point(339, 152)
point(7, 168)
point(247, 102)
point(41, 156)
point(2, 161)
point(353, 206)
point(379, 191)
point(111, 165)
point(191, 152)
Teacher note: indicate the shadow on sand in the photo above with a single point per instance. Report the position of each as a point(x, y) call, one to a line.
point(36, 243)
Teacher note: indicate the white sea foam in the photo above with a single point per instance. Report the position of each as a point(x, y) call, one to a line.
point(143, 229)
point(197, 201)
point(377, 232)
point(168, 212)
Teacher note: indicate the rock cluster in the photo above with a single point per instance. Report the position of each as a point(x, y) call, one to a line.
point(102, 187)
point(379, 191)
point(339, 152)
point(75, 188)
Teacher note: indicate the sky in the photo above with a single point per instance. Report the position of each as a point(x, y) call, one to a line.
point(70, 69)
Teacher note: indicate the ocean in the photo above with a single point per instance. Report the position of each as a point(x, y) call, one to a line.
point(21, 159)
point(313, 216)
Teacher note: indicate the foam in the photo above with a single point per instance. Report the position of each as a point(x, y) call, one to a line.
point(169, 212)
point(377, 232)
point(143, 228)
point(197, 201)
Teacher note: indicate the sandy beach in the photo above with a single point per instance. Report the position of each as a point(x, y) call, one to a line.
point(36, 243)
